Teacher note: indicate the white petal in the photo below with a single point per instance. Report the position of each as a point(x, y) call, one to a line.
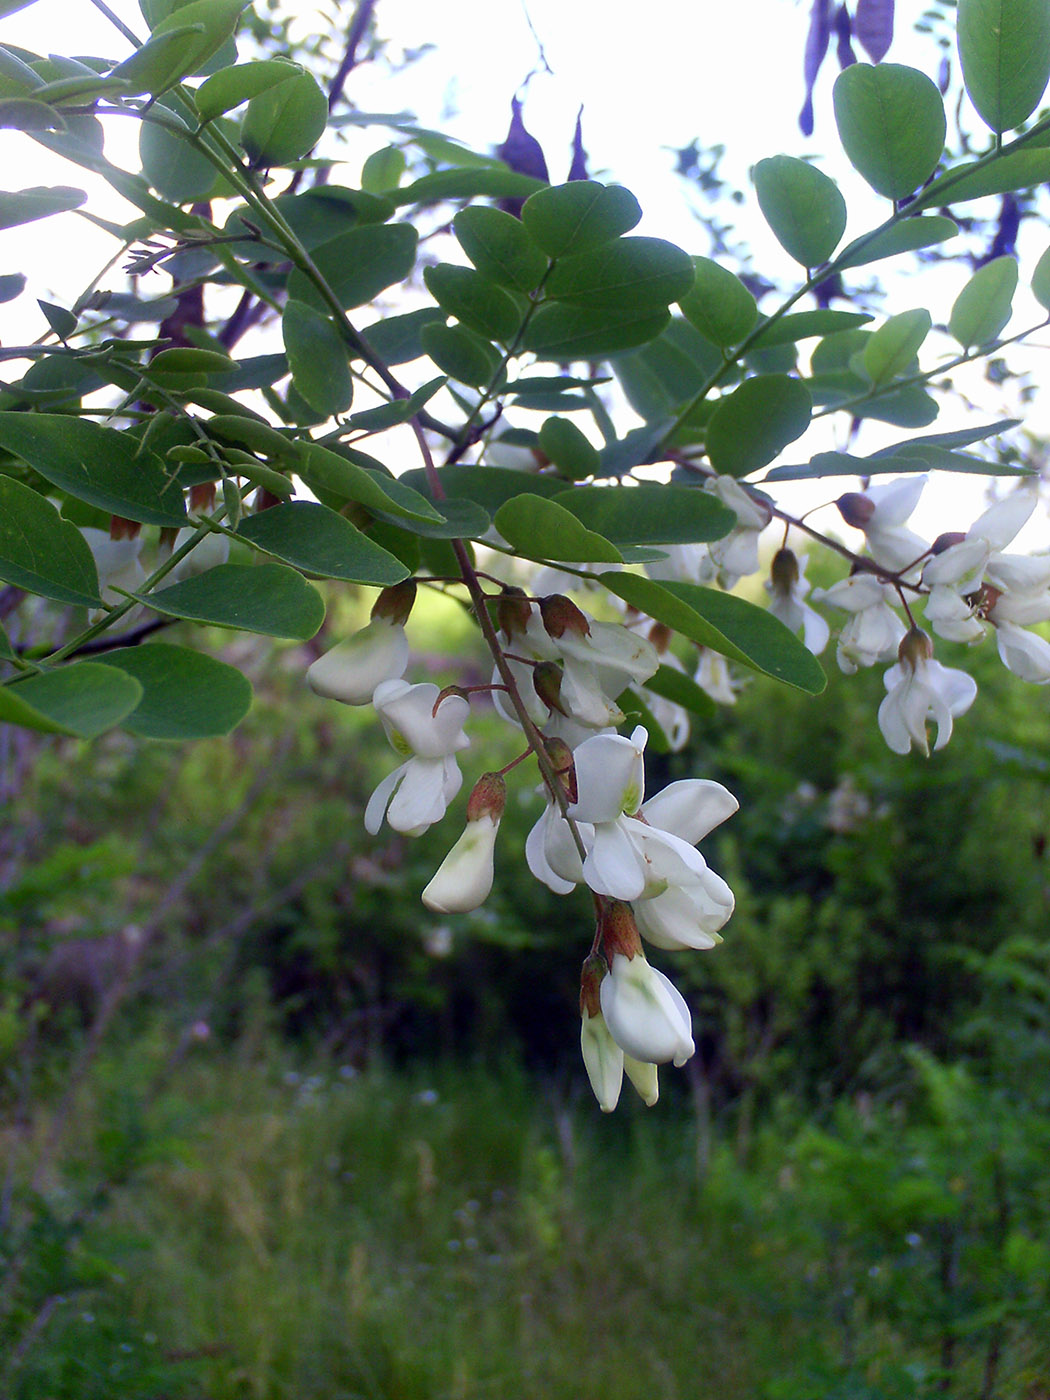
point(895, 500)
point(352, 669)
point(644, 1078)
point(613, 866)
point(646, 1014)
point(536, 858)
point(603, 1059)
point(690, 808)
point(463, 880)
point(420, 799)
point(1020, 573)
point(892, 721)
point(957, 689)
point(686, 917)
point(610, 777)
point(1024, 653)
point(1002, 521)
point(407, 714)
point(961, 565)
point(378, 802)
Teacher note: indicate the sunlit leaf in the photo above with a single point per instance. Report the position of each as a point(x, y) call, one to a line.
point(358, 265)
point(644, 274)
point(285, 121)
point(719, 305)
point(482, 305)
point(228, 88)
point(568, 448)
point(23, 206)
point(904, 237)
point(649, 514)
point(500, 247)
point(895, 344)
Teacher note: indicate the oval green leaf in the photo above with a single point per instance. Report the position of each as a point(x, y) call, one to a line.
point(461, 354)
point(1004, 50)
point(803, 324)
point(540, 529)
point(575, 333)
point(645, 274)
point(482, 305)
point(101, 466)
point(892, 126)
point(649, 514)
point(904, 237)
point(726, 624)
point(38, 202)
point(41, 552)
point(185, 694)
point(752, 425)
point(267, 598)
point(325, 470)
point(320, 541)
point(358, 265)
point(172, 165)
point(891, 348)
point(318, 358)
point(284, 122)
point(568, 448)
point(719, 305)
point(1041, 281)
point(579, 216)
point(802, 206)
point(984, 305)
point(500, 247)
point(228, 88)
point(84, 699)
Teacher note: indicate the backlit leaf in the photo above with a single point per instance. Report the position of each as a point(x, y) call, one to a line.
point(984, 305)
point(500, 247)
point(267, 598)
point(318, 358)
point(895, 344)
point(228, 88)
point(802, 206)
point(579, 216)
point(904, 237)
point(284, 122)
point(1004, 49)
point(41, 552)
point(719, 305)
point(752, 425)
point(358, 265)
point(38, 202)
point(892, 126)
point(649, 514)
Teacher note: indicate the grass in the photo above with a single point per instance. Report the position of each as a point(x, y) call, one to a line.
point(337, 1236)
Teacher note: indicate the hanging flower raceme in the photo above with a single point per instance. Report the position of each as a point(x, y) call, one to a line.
point(604, 1060)
point(463, 880)
point(919, 688)
point(646, 1014)
point(426, 725)
point(787, 588)
point(353, 668)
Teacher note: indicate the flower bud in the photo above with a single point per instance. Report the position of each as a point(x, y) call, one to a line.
point(513, 612)
point(619, 932)
point(660, 637)
point(463, 880)
point(561, 615)
point(488, 798)
point(353, 668)
point(394, 604)
point(122, 529)
point(783, 572)
point(915, 646)
point(855, 508)
point(560, 756)
point(594, 969)
point(546, 681)
point(946, 541)
point(202, 498)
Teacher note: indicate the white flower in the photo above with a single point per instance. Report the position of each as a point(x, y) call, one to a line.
point(919, 688)
point(550, 851)
point(713, 677)
point(210, 550)
point(353, 668)
point(685, 563)
point(119, 571)
point(736, 554)
point(687, 915)
point(1024, 653)
point(787, 588)
point(463, 880)
point(602, 1059)
point(952, 576)
point(417, 794)
point(646, 1014)
point(874, 631)
point(891, 545)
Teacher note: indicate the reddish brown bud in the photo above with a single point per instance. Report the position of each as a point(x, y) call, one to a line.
point(945, 541)
point(784, 570)
point(202, 497)
point(394, 604)
point(513, 612)
point(561, 615)
point(593, 972)
point(488, 799)
point(855, 508)
point(619, 932)
point(915, 646)
point(660, 636)
point(265, 500)
point(560, 756)
point(121, 529)
point(546, 681)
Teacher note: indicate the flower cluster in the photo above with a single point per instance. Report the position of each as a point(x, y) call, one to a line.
point(559, 675)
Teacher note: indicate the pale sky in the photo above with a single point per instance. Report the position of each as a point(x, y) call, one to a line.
point(729, 74)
